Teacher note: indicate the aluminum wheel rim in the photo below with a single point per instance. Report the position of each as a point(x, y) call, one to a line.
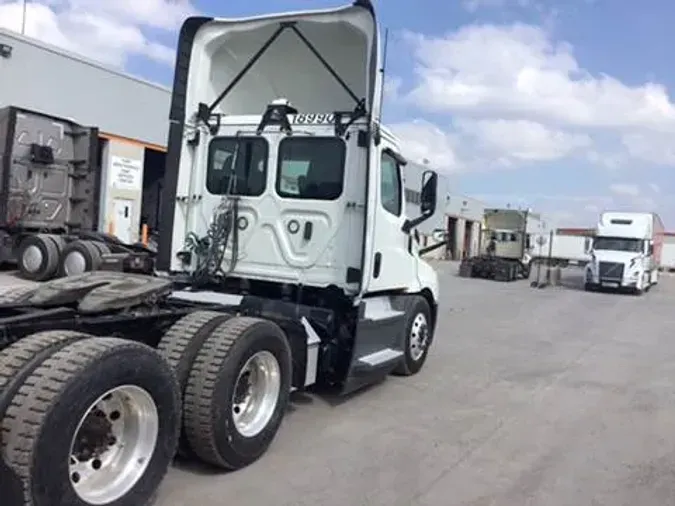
point(74, 263)
point(419, 335)
point(256, 393)
point(32, 258)
point(113, 444)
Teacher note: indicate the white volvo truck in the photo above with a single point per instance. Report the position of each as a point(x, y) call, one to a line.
point(626, 252)
point(286, 260)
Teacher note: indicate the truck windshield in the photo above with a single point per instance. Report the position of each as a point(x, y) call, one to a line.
point(618, 244)
point(311, 168)
point(237, 166)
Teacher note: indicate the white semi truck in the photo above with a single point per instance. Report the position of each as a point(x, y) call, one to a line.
point(626, 252)
point(286, 260)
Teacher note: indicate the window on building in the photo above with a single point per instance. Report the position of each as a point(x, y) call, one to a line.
point(237, 166)
point(390, 184)
point(311, 168)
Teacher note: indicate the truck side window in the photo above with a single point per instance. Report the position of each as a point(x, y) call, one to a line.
point(390, 185)
point(248, 156)
point(311, 168)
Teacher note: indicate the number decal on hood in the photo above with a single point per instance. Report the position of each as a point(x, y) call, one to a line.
point(313, 119)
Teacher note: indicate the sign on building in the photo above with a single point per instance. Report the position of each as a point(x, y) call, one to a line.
point(126, 173)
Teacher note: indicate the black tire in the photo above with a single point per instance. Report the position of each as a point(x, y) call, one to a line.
point(588, 287)
point(43, 416)
point(89, 252)
point(102, 248)
point(180, 345)
point(209, 424)
point(20, 359)
point(413, 306)
point(17, 362)
point(49, 262)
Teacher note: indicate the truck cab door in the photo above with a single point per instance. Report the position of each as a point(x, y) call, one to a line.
point(394, 262)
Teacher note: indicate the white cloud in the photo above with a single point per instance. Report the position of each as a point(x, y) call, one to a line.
point(425, 141)
point(625, 189)
point(106, 31)
point(516, 95)
point(523, 139)
point(488, 144)
point(474, 5)
point(657, 148)
point(518, 71)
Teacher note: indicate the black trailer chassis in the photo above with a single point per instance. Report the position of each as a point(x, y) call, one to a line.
point(492, 267)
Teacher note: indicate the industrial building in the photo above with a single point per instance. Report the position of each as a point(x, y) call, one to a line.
point(131, 115)
point(458, 217)
point(132, 118)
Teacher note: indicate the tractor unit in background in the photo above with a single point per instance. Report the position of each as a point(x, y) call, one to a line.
point(510, 239)
point(50, 185)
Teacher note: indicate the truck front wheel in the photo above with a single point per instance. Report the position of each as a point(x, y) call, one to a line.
point(418, 334)
point(95, 424)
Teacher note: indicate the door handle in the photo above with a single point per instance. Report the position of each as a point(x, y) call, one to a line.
point(307, 233)
point(378, 264)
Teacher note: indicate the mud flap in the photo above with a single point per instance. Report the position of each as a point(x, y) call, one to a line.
point(377, 345)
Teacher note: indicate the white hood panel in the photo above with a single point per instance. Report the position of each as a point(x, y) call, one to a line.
point(346, 38)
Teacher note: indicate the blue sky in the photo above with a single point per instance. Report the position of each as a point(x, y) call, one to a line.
point(561, 106)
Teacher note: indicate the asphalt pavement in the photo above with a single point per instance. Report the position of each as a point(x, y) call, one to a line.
point(546, 397)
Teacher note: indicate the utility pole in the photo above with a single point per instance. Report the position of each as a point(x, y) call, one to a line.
point(23, 17)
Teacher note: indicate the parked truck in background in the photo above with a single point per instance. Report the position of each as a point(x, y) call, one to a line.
point(626, 252)
point(50, 185)
point(285, 260)
point(510, 238)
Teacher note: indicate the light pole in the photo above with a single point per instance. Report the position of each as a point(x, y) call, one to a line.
point(23, 17)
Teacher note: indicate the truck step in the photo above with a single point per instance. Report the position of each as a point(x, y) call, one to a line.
point(380, 358)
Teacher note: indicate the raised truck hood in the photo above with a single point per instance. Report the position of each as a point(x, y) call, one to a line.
point(323, 61)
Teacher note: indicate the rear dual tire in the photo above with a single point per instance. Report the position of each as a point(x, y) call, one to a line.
point(58, 385)
point(238, 392)
point(82, 256)
point(38, 256)
point(43, 256)
point(235, 374)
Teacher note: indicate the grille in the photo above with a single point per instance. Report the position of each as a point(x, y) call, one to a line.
point(611, 270)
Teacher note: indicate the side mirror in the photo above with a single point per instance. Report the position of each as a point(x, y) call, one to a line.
point(429, 192)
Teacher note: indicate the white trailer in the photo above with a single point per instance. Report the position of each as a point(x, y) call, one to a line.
point(626, 252)
point(565, 250)
point(668, 253)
